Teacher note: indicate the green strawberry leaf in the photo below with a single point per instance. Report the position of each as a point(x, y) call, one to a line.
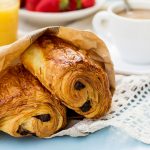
point(79, 4)
point(64, 4)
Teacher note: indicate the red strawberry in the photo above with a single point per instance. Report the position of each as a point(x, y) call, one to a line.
point(75, 4)
point(88, 3)
point(52, 5)
point(31, 4)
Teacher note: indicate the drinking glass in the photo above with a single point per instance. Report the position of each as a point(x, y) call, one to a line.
point(8, 21)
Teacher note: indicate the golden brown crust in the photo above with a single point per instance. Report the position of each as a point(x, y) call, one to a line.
point(26, 107)
point(69, 73)
point(88, 41)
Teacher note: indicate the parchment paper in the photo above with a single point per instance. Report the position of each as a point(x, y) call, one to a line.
point(9, 55)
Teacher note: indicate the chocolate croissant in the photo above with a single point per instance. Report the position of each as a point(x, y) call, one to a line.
point(26, 107)
point(70, 74)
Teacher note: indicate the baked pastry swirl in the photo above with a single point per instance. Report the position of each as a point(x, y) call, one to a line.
point(70, 74)
point(26, 107)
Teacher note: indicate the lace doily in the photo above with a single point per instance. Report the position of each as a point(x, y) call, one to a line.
point(130, 111)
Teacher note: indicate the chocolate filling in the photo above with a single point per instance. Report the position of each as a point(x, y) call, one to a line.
point(44, 117)
point(86, 106)
point(22, 131)
point(78, 85)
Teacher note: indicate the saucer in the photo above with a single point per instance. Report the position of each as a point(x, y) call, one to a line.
point(123, 67)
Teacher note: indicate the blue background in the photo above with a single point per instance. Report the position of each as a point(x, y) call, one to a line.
point(105, 139)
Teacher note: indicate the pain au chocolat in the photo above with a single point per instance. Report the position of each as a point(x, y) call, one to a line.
point(69, 73)
point(26, 107)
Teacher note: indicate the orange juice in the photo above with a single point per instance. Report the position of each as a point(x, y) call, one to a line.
point(8, 21)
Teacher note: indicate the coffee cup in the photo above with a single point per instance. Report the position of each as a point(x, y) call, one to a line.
point(131, 35)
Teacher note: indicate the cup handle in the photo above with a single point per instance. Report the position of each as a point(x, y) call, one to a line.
point(100, 24)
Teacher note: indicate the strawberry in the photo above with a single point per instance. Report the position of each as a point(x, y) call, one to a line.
point(88, 3)
point(52, 5)
point(75, 4)
point(31, 4)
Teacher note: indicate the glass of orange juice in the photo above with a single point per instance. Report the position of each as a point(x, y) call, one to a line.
point(8, 21)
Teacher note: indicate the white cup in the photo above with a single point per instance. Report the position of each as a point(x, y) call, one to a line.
point(131, 36)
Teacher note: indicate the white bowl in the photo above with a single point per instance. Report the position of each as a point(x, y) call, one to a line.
point(45, 19)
